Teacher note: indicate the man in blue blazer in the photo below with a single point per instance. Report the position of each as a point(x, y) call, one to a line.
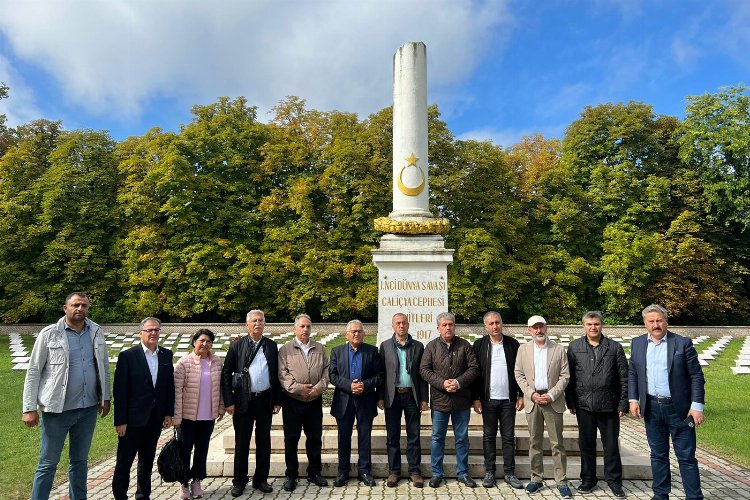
point(355, 371)
point(666, 386)
point(144, 404)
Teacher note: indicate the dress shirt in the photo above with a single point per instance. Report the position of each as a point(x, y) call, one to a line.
point(657, 373)
point(81, 386)
point(404, 379)
point(305, 347)
point(259, 377)
point(540, 368)
point(152, 358)
point(355, 363)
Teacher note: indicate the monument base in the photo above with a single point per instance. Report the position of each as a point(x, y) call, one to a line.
point(412, 279)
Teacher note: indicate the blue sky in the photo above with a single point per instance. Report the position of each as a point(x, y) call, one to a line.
point(498, 70)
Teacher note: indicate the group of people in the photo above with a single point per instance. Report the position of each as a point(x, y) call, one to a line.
point(68, 381)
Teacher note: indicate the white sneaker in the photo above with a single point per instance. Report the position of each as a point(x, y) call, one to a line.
point(195, 489)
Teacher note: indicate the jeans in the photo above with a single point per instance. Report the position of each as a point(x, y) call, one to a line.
point(79, 423)
point(661, 422)
point(460, 422)
point(501, 411)
point(403, 403)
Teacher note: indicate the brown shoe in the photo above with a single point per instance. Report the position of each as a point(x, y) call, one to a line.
point(392, 480)
point(416, 479)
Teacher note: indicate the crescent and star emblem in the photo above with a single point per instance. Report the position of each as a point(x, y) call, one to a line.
point(411, 191)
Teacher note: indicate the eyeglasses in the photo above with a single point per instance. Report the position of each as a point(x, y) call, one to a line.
point(152, 330)
point(356, 331)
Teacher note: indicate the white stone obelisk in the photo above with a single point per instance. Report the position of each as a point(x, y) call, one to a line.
point(412, 260)
point(411, 186)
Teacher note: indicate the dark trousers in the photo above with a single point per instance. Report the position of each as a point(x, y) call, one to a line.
point(141, 441)
point(364, 436)
point(195, 433)
point(608, 424)
point(661, 422)
point(296, 416)
point(502, 412)
point(406, 405)
point(260, 414)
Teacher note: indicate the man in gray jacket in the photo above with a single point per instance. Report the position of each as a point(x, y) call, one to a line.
point(68, 380)
point(450, 367)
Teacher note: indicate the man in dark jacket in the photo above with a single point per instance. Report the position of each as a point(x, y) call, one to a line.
point(402, 390)
point(252, 363)
point(598, 395)
point(144, 404)
point(450, 367)
point(497, 397)
point(355, 370)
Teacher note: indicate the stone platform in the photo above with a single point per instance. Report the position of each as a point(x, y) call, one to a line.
point(636, 463)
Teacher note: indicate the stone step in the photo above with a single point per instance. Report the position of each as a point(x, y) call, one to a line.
point(330, 441)
point(634, 467)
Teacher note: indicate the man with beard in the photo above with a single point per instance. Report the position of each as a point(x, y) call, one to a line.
point(542, 374)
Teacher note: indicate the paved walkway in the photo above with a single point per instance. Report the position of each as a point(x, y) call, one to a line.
point(720, 480)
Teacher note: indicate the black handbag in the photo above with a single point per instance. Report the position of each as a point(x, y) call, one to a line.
point(170, 465)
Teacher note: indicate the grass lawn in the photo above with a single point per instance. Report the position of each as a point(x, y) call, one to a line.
point(725, 430)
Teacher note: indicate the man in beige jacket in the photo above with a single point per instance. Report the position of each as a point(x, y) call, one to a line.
point(303, 373)
point(542, 374)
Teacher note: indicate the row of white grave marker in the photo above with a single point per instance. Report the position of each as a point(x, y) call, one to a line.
point(180, 343)
point(742, 366)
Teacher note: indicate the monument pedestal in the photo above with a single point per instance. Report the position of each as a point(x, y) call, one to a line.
point(412, 279)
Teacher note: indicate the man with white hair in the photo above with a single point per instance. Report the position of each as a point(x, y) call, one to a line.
point(542, 374)
point(355, 371)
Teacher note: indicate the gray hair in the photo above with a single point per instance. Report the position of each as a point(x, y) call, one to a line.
point(255, 311)
point(146, 320)
point(491, 313)
point(593, 315)
point(393, 318)
point(655, 308)
point(300, 316)
point(445, 315)
point(353, 322)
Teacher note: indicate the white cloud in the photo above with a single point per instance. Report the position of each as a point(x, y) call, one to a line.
point(114, 56)
point(19, 107)
point(509, 137)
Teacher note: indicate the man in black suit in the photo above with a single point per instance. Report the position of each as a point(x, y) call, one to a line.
point(666, 386)
point(355, 371)
point(253, 362)
point(402, 391)
point(144, 404)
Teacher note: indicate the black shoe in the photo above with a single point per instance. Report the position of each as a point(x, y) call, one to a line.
point(237, 490)
point(263, 486)
point(617, 491)
point(290, 484)
point(489, 479)
point(435, 481)
point(341, 480)
point(318, 479)
point(467, 480)
point(366, 479)
point(513, 481)
point(586, 488)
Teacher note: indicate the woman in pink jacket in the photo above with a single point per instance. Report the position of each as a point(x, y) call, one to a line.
point(198, 403)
